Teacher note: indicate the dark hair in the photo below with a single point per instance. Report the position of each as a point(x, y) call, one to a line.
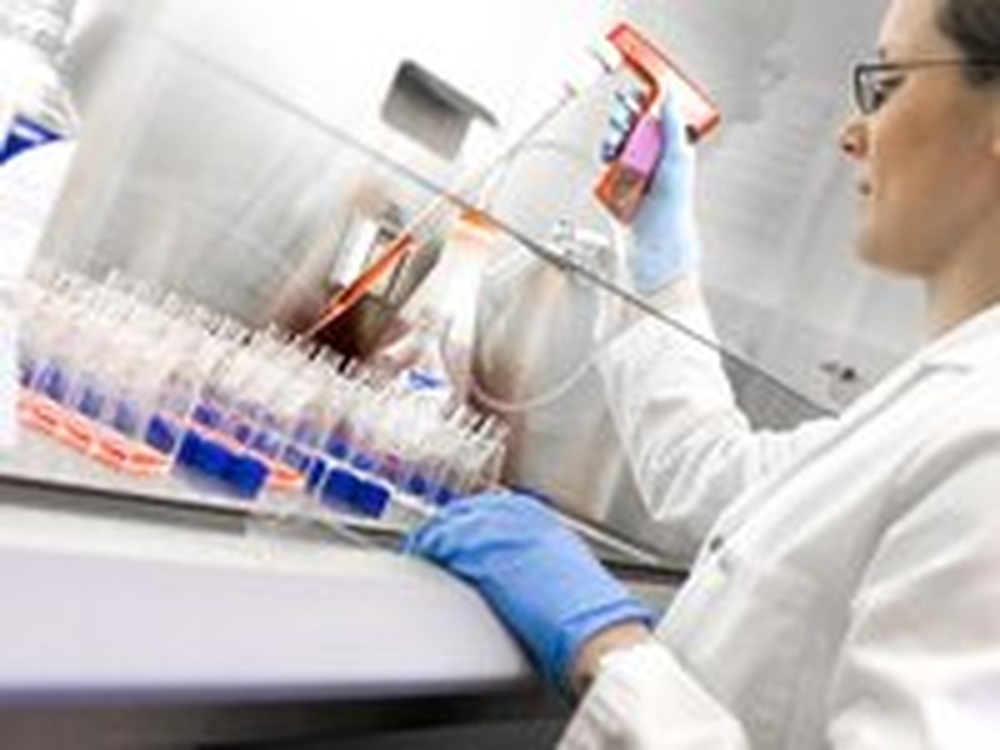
point(974, 25)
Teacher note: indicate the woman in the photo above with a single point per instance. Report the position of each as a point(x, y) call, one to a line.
point(847, 593)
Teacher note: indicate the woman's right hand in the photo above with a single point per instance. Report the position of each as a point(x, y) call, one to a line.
point(665, 244)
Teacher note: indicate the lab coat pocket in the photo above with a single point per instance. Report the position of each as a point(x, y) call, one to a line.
point(746, 626)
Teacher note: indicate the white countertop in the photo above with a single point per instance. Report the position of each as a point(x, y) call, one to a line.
point(126, 607)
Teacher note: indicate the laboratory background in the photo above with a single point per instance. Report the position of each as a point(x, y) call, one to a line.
point(316, 269)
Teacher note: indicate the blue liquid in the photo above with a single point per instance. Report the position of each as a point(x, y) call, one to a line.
point(26, 367)
point(125, 418)
point(162, 433)
point(53, 382)
point(239, 474)
point(317, 472)
point(345, 489)
point(338, 488)
point(242, 432)
point(337, 445)
point(267, 443)
point(207, 413)
point(371, 499)
point(91, 402)
point(296, 457)
point(245, 476)
point(444, 495)
point(417, 485)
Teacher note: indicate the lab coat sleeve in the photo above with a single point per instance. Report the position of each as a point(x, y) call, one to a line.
point(690, 448)
point(644, 699)
point(920, 667)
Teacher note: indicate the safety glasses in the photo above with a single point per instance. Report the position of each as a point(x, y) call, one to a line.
point(874, 82)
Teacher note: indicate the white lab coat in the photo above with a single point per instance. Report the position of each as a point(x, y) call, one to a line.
point(849, 596)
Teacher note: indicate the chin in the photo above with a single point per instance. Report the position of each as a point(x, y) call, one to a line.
point(875, 254)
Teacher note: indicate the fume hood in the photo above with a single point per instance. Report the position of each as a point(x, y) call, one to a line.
point(251, 158)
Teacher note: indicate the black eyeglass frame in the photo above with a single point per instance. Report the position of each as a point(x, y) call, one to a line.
point(863, 72)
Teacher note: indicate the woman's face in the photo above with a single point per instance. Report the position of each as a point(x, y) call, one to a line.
point(928, 174)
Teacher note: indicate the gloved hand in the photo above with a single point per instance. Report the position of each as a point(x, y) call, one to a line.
point(665, 243)
point(535, 573)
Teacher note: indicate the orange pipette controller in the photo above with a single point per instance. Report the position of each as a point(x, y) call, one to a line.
point(624, 181)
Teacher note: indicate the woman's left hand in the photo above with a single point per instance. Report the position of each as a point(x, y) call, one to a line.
point(536, 574)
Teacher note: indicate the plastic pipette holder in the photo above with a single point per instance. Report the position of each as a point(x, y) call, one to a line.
point(625, 180)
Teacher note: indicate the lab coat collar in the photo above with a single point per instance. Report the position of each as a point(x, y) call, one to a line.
point(973, 344)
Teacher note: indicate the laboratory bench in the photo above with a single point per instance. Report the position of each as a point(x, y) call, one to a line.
point(152, 614)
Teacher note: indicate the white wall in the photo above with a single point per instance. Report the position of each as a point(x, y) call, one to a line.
point(336, 60)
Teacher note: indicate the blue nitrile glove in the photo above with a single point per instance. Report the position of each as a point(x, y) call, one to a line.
point(535, 573)
point(665, 235)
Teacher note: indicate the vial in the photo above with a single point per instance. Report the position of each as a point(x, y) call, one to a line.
point(38, 133)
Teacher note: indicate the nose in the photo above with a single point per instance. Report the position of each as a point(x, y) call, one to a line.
point(853, 138)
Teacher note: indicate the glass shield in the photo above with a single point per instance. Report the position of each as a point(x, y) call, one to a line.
point(204, 182)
